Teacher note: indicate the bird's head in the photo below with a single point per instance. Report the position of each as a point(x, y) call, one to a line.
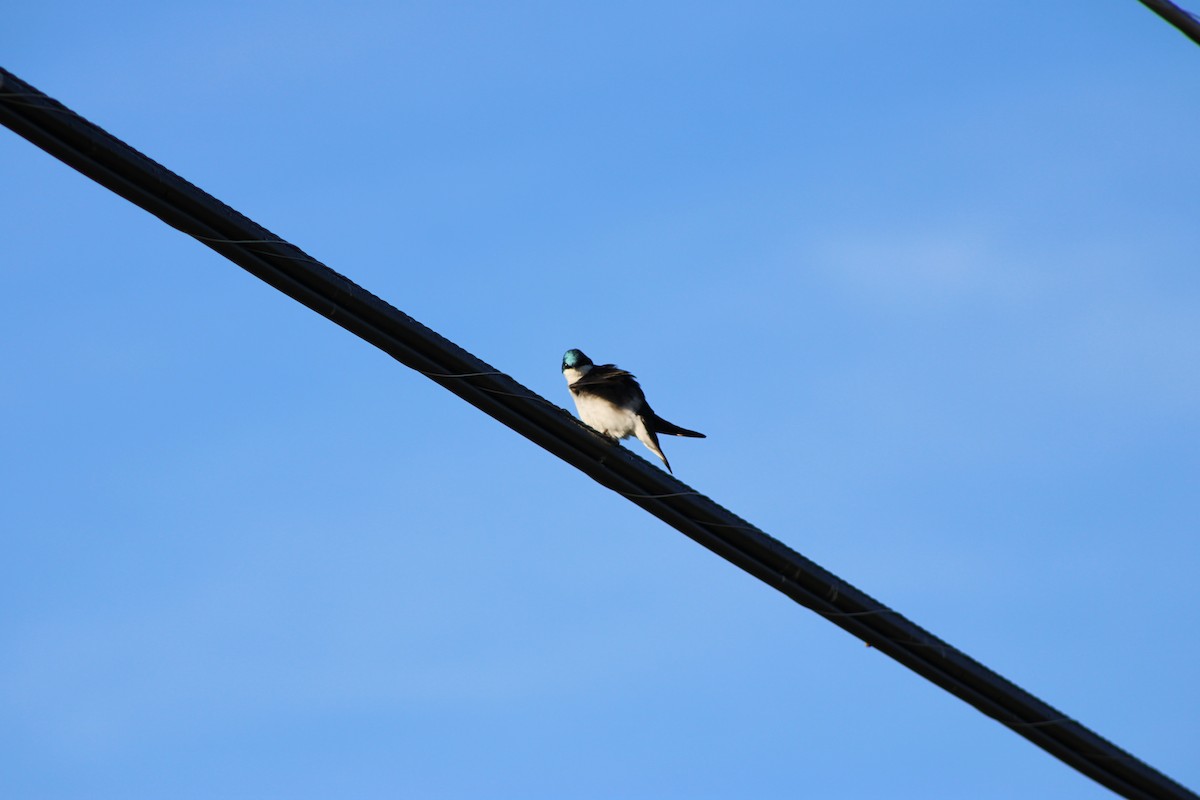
point(575, 359)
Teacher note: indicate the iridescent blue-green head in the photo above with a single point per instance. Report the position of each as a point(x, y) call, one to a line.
point(575, 359)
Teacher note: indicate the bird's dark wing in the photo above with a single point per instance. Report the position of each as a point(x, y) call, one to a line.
point(612, 384)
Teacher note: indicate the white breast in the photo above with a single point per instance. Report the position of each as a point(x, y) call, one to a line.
point(605, 417)
point(601, 414)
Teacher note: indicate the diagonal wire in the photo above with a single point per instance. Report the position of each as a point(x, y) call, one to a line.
point(1185, 21)
point(112, 163)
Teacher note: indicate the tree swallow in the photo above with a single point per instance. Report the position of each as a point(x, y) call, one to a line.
point(610, 401)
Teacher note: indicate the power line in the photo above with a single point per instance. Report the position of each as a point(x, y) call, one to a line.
point(1185, 21)
point(110, 162)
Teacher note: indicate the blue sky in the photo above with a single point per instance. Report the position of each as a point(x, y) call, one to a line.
point(925, 274)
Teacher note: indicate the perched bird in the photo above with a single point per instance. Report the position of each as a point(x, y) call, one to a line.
point(610, 400)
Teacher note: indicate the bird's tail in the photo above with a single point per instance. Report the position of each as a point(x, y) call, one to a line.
point(662, 426)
